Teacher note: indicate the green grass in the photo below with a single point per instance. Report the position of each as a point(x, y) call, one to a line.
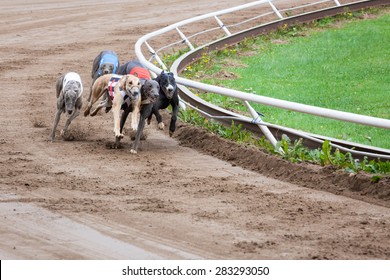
point(339, 66)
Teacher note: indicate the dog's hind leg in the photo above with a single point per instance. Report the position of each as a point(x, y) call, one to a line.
point(90, 93)
point(102, 104)
point(88, 109)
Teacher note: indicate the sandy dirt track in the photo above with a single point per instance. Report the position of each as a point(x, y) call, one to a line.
point(178, 198)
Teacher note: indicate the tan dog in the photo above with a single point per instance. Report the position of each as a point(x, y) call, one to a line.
point(125, 93)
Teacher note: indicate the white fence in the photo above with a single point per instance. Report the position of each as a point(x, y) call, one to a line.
point(142, 43)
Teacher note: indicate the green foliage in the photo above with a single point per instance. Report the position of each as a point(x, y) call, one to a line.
point(296, 152)
point(283, 82)
point(341, 67)
point(234, 132)
point(325, 156)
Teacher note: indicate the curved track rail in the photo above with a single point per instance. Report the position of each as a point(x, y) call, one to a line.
point(272, 131)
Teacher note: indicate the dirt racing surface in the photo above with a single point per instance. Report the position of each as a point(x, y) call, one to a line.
point(193, 196)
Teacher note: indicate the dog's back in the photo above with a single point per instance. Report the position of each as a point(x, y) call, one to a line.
point(73, 77)
point(134, 67)
point(104, 57)
point(64, 80)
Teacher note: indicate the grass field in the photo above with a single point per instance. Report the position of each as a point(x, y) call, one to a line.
point(343, 66)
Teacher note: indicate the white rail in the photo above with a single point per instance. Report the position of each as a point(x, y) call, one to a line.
point(313, 110)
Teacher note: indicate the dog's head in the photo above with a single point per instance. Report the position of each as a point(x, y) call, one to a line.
point(131, 85)
point(107, 68)
point(167, 83)
point(108, 63)
point(72, 91)
point(149, 91)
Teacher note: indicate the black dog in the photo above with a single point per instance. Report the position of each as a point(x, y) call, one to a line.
point(106, 62)
point(167, 96)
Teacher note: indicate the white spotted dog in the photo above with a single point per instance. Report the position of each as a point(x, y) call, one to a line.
point(125, 92)
point(69, 90)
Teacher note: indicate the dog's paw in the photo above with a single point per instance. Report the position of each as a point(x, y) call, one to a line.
point(119, 135)
point(62, 132)
point(161, 126)
point(132, 134)
point(144, 136)
point(133, 151)
point(170, 133)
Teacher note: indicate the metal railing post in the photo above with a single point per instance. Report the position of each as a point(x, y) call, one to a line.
point(155, 56)
point(185, 39)
point(256, 119)
point(223, 26)
point(275, 10)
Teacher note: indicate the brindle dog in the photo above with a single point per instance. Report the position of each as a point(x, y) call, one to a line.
point(149, 94)
point(69, 90)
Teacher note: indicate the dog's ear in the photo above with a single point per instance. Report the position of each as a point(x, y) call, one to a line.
point(135, 74)
point(123, 81)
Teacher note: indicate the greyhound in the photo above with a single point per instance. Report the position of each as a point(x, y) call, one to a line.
point(134, 67)
point(149, 94)
point(106, 62)
point(167, 96)
point(69, 90)
point(125, 93)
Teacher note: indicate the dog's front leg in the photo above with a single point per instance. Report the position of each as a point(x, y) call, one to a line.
point(69, 120)
point(56, 120)
point(135, 118)
point(175, 111)
point(159, 120)
point(116, 109)
point(146, 110)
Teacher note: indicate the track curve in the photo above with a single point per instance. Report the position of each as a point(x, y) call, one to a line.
point(224, 116)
